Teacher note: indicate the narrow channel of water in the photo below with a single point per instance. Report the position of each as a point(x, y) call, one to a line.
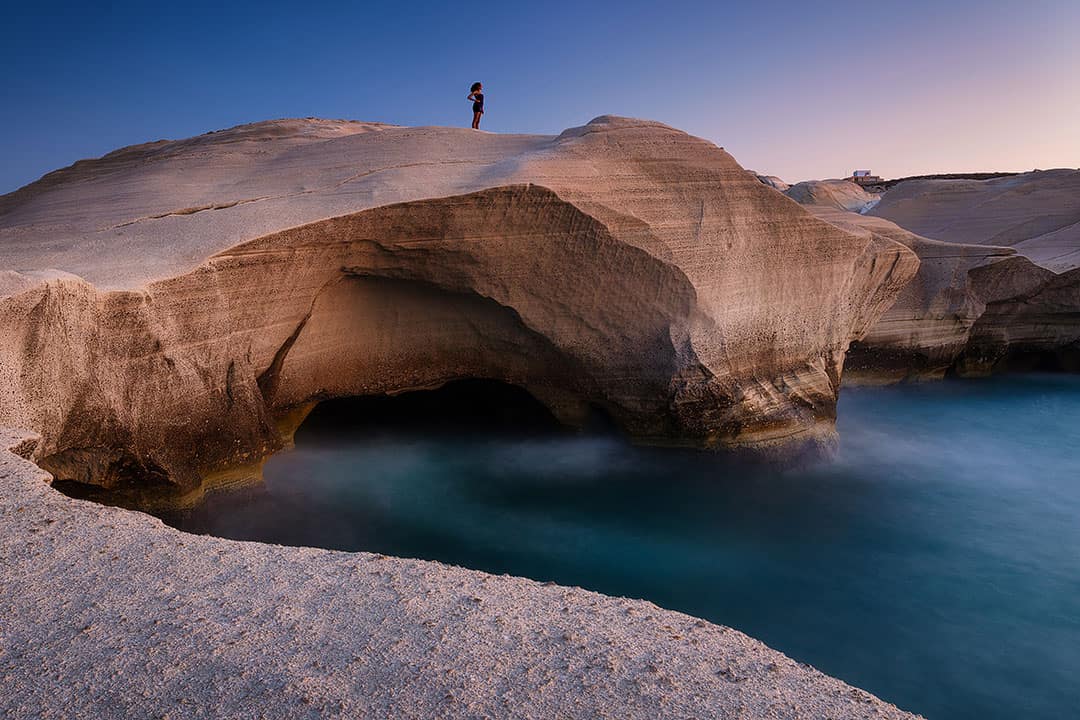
point(935, 562)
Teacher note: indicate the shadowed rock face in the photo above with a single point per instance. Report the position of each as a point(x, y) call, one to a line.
point(928, 326)
point(1031, 322)
point(622, 264)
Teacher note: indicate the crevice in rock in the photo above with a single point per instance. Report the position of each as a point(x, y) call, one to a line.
point(189, 211)
point(270, 378)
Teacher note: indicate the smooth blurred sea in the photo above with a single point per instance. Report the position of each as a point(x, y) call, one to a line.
point(935, 562)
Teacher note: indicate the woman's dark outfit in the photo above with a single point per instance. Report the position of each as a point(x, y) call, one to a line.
point(478, 102)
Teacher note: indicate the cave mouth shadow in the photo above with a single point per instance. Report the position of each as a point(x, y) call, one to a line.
point(469, 410)
point(472, 407)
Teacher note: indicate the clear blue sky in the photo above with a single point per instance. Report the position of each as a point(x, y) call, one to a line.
point(798, 89)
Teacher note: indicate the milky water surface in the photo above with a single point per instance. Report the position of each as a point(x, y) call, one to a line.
point(935, 562)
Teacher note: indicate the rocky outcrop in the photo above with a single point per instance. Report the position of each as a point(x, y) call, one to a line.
point(928, 326)
point(1031, 321)
point(772, 181)
point(972, 309)
point(1037, 213)
point(837, 194)
point(622, 265)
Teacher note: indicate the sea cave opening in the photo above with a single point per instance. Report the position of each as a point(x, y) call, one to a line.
point(459, 407)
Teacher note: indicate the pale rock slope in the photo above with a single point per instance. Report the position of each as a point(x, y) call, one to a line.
point(228, 282)
point(1038, 213)
point(973, 308)
point(929, 325)
point(839, 194)
point(772, 181)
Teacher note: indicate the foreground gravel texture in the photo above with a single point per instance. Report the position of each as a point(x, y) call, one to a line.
point(108, 613)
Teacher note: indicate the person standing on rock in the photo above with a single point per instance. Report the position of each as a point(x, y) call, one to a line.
point(476, 94)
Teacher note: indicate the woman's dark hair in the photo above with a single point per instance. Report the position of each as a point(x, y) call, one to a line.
point(475, 87)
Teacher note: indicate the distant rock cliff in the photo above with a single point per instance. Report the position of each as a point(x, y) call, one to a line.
point(172, 309)
point(839, 194)
point(975, 307)
point(1036, 213)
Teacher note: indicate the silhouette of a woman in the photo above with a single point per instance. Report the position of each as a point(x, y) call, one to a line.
point(476, 94)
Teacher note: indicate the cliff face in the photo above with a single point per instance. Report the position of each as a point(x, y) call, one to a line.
point(929, 324)
point(973, 308)
point(1031, 322)
point(172, 309)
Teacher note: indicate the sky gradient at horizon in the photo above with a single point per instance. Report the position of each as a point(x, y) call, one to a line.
point(795, 89)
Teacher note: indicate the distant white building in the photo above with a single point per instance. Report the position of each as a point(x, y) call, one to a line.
point(863, 177)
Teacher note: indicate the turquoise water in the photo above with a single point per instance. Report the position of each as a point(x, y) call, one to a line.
point(935, 562)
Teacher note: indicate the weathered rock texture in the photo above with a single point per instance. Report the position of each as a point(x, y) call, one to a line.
point(772, 181)
point(172, 308)
point(838, 194)
point(1031, 321)
point(925, 330)
point(107, 613)
point(974, 307)
point(1037, 213)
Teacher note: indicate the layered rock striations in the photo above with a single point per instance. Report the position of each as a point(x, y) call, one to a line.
point(928, 326)
point(170, 310)
point(838, 194)
point(1031, 321)
point(974, 307)
point(1037, 213)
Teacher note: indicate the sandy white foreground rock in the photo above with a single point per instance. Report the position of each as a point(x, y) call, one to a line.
point(170, 310)
point(107, 613)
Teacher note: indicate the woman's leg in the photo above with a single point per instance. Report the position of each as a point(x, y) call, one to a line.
point(476, 120)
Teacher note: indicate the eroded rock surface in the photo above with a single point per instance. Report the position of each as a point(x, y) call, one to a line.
point(772, 181)
point(1037, 213)
point(929, 325)
point(837, 194)
point(107, 613)
point(1031, 321)
point(172, 308)
point(973, 308)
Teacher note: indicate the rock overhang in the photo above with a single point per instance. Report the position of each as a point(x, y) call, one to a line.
point(662, 280)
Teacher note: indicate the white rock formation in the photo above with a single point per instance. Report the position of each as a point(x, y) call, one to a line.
point(772, 181)
point(839, 194)
point(1037, 213)
point(974, 307)
point(231, 280)
point(106, 613)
